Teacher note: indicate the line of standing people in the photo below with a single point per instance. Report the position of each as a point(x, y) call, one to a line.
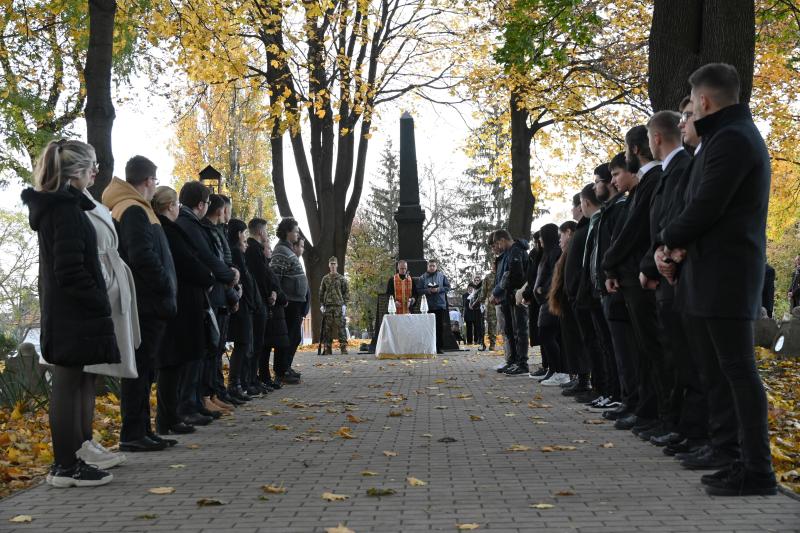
point(149, 286)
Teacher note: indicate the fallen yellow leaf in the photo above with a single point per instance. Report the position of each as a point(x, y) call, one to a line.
point(355, 419)
point(339, 529)
point(331, 497)
point(565, 493)
point(475, 418)
point(467, 527)
point(368, 473)
point(161, 490)
point(608, 445)
point(389, 453)
point(518, 448)
point(414, 482)
point(273, 489)
point(345, 433)
point(542, 505)
point(279, 427)
point(21, 519)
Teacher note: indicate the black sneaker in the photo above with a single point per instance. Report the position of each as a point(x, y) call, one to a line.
point(569, 384)
point(743, 482)
point(78, 475)
point(541, 372)
point(293, 372)
point(503, 368)
point(720, 476)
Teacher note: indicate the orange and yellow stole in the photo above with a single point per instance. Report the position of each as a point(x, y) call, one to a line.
point(402, 292)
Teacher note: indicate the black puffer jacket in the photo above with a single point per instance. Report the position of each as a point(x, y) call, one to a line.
point(76, 325)
point(547, 265)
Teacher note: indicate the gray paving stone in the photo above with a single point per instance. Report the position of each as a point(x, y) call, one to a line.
point(629, 487)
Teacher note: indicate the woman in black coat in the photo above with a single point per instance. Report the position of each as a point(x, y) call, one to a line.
point(241, 325)
point(276, 336)
point(183, 345)
point(76, 324)
point(548, 327)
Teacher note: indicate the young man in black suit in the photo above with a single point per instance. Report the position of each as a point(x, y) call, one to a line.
point(719, 240)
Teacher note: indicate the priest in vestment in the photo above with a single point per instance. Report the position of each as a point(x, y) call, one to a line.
point(402, 287)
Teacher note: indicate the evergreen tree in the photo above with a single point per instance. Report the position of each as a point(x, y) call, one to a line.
point(383, 201)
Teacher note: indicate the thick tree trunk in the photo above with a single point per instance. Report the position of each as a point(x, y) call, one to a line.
point(522, 201)
point(99, 107)
point(687, 34)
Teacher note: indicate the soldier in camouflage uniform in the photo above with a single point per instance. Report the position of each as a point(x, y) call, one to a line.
point(333, 297)
point(491, 312)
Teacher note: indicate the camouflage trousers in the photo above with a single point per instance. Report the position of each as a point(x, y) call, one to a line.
point(333, 326)
point(491, 324)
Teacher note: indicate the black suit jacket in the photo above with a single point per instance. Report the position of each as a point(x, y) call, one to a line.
point(631, 240)
point(668, 191)
point(724, 222)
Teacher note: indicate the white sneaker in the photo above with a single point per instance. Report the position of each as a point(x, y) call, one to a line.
point(555, 380)
point(95, 454)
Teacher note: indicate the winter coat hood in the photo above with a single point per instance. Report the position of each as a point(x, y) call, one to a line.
point(39, 202)
point(520, 244)
point(120, 195)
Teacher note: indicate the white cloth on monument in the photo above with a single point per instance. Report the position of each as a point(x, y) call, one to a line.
point(406, 336)
point(121, 295)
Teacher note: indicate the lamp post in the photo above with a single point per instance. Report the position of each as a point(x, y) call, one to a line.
point(211, 178)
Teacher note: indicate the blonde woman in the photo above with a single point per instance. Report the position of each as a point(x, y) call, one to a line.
point(76, 324)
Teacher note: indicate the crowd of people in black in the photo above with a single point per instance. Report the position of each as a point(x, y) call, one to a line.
point(643, 305)
point(149, 285)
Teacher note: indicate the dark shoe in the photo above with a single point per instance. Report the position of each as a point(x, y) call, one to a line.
point(686, 446)
point(254, 392)
point(569, 384)
point(692, 454)
point(144, 444)
point(586, 396)
point(658, 431)
point(666, 439)
point(180, 428)
point(743, 482)
point(482, 348)
point(227, 398)
point(290, 380)
point(158, 438)
point(713, 460)
point(212, 414)
point(720, 476)
point(616, 414)
point(503, 368)
point(516, 370)
point(78, 475)
point(576, 390)
point(540, 372)
point(643, 425)
point(238, 394)
point(626, 423)
point(439, 352)
point(293, 372)
point(276, 384)
point(196, 419)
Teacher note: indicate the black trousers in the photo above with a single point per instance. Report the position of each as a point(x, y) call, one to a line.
point(135, 393)
point(294, 319)
point(723, 423)
point(263, 362)
point(688, 404)
point(189, 377)
point(71, 412)
point(168, 391)
point(472, 331)
point(605, 378)
point(578, 340)
point(515, 318)
point(649, 354)
point(551, 347)
point(624, 344)
point(442, 317)
point(257, 354)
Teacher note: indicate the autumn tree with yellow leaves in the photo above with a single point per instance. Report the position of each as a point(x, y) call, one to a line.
point(214, 131)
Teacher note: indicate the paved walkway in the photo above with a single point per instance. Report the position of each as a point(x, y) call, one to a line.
point(450, 422)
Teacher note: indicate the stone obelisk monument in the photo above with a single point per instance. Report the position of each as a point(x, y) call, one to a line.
point(409, 214)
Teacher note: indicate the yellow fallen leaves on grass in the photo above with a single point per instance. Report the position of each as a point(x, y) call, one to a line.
point(345, 433)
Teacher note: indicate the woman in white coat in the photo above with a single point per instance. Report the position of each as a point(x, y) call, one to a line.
point(124, 314)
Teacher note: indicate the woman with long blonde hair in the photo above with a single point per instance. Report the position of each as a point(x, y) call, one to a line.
point(76, 324)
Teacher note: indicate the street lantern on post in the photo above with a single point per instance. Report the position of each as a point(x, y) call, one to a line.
point(211, 178)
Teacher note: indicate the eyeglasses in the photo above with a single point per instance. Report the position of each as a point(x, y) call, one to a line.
point(95, 168)
point(686, 115)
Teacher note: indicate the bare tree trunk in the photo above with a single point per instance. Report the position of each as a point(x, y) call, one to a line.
point(522, 201)
point(687, 34)
point(99, 107)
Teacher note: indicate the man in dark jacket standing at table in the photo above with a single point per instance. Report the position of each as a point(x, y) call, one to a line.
point(434, 285)
point(144, 247)
point(719, 240)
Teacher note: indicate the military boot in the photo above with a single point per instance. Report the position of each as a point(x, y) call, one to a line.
point(328, 350)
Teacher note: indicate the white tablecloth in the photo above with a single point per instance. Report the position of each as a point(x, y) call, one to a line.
point(407, 336)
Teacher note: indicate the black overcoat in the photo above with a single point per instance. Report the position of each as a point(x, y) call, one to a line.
point(76, 325)
point(723, 226)
point(184, 339)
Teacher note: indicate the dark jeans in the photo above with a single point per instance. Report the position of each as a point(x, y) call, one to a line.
point(441, 317)
point(551, 348)
point(188, 387)
point(71, 412)
point(263, 362)
point(516, 329)
point(622, 338)
point(167, 390)
point(472, 331)
point(257, 353)
point(649, 354)
point(294, 319)
point(577, 341)
point(688, 405)
point(135, 393)
point(723, 423)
